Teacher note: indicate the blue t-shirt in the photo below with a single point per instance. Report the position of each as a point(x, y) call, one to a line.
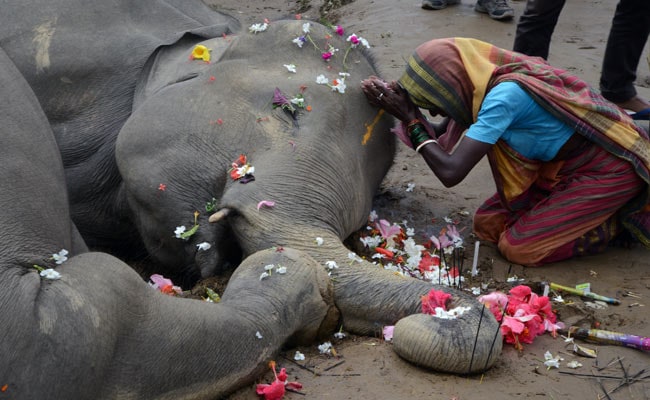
point(510, 114)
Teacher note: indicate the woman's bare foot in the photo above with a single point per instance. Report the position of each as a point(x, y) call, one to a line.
point(634, 104)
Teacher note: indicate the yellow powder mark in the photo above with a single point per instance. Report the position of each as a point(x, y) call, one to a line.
point(42, 38)
point(371, 127)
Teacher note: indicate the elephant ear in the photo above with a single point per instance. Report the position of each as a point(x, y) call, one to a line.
point(447, 345)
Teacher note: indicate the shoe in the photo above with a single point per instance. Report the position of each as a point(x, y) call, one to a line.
point(438, 4)
point(496, 9)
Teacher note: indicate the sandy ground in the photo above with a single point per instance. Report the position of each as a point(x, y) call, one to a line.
point(368, 368)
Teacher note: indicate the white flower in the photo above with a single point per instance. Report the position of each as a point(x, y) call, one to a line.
point(256, 28)
point(269, 267)
point(364, 42)
point(203, 246)
point(573, 364)
point(410, 231)
point(343, 74)
point(410, 187)
point(450, 314)
point(339, 335)
point(305, 27)
point(60, 257)
point(50, 274)
point(322, 80)
point(290, 67)
point(558, 299)
point(378, 255)
point(258, 335)
point(264, 275)
point(298, 41)
point(371, 241)
point(299, 356)
point(449, 220)
point(331, 265)
point(476, 291)
point(179, 230)
point(412, 249)
point(281, 269)
point(325, 348)
point(373, 216)
point(354, 257)
point(339, 85)
point(552, 362)
point(319, 241)
point(299, 101)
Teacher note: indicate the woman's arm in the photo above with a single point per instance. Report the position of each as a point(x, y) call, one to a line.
point(451, 169)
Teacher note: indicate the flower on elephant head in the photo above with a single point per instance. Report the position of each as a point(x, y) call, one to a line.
point(203, 246)
point(200, 52)
point(257, 28)
point(240, 168)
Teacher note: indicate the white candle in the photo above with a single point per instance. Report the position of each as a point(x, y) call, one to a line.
point(475, 262)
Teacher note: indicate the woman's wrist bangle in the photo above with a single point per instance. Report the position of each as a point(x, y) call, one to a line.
point(414, 122)
point(426, 142)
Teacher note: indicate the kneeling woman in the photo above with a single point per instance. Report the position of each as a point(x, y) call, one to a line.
point(571, 169)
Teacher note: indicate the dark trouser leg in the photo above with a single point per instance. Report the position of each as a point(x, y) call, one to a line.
point(535, 27)
point(627, 37)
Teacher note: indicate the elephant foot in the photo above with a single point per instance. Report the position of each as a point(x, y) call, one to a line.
point(470, 343)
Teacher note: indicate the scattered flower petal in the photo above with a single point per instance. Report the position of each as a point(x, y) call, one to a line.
point(319, 241)
point(325, 348)
point(164, 285)
point(50, 274)
point(299, 356)
point(265, 203)
point(61, 256)
point(388, 332)
point(258, 335)
point(204, 246)
point(256, 28)
point(290, 68)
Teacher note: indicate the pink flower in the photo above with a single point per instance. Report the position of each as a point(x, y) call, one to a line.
point(388, 332)
point(388, 230)
point(432, 300)
point(327, 55)
point(276, 390)
point(495, 302)
point(339, 30)
point(164, 285)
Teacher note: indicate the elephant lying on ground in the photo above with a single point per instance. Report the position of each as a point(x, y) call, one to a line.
point(99, 331)
point(147, 138)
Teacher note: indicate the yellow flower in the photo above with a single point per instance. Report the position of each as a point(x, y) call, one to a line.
point(200, 52)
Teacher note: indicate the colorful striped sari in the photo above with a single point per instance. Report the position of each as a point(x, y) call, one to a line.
point(538, 200)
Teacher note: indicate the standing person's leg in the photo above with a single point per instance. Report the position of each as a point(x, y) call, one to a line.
point(627, 38)
point(535, 27)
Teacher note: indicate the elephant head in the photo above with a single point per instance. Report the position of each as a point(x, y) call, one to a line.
point(89, 327)
point(315, 174)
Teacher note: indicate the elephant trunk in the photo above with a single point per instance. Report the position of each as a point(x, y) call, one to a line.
point(370, 297)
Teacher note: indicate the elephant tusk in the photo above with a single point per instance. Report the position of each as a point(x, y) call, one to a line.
point(219, 215)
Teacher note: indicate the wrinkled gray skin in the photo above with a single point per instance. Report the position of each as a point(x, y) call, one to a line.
point(100, 331)
point(138, 113)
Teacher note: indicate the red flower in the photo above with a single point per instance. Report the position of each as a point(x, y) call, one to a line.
point(276, 390)
point(435, 298)
point(162, 187)
point(427, 262)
